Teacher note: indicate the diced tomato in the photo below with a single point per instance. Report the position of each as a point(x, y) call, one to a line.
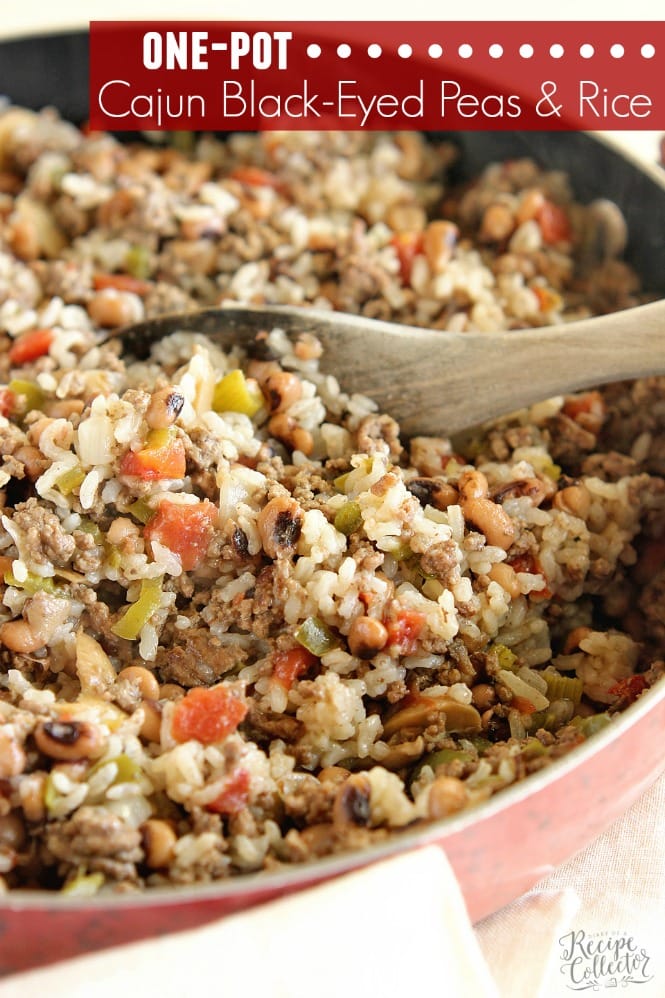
point(287, 666)
point(523, 705)
point(547, 299)
point(404, 630)
point(447, 458)
point(528, 563)
point(554, 223)
point(7, 402)
point(407, 246)
point(29, 346)
point(185, 529)
point(588, 410)
point(207, 715)
point(121, 282)
point(254, 176)
point(152, 463)
point(628, 689)
point(234, 795)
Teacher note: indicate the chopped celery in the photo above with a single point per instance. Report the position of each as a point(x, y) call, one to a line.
point(32, 584)
point(348, 518)
point(156, 439)
point(70, 480)
point(562, 687)
point(51, 795)
point(90, 527)
point(113, 556)
point(552, 471)
point(533, 748)
point(445, 755)
point(139, 613)
point(235, 394)
point(29, 391)
point(141, 511)
point(480, 743)
point(506, 657)
point(591, 725)
point(126, 768)
point(84, 885)
point(401, 551)
point(315, 635)
point(553, 717)
point(137, 262)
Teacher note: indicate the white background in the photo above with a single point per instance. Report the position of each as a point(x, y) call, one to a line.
point(20, 16)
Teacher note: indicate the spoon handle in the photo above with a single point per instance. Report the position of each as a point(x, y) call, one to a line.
point(493, 375)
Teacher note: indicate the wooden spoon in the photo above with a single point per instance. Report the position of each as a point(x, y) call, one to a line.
point(435, 382)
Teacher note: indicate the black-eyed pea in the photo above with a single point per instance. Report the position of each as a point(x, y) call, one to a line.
point(506, 576)
point(286, 429)
point(492, 520)
point(12, 831)
point(352, 801)
point(433, 492)
point(64, 408)
point(171, 691)
point(32, 460)
point(19, 637)
point(68, 741)
point(472, 485)
point(498, 223)
point(307, 347)
point(406, 218)
point(143, 679)
point(483, 696)
point(446, 796)
point(531, 203)
point(574, 637)
point(367, 636)
point(110, 308)
point(31, 790)
point(282, 389)
point(37, 428)
point(574, 499)
point(333, 774)
point(164, 407)
point(280, 524)
point(151, 729)
point(12, 756)
point(159, 841)
point(439, 242)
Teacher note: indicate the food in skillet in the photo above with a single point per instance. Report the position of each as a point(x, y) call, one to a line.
point(243, 622)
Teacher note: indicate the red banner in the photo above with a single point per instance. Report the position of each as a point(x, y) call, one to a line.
point(235, 76)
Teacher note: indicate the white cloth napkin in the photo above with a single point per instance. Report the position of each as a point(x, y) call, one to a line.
point(400, 928)
point(612, 892)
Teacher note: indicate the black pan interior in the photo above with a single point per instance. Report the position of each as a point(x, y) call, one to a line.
point(53, 70)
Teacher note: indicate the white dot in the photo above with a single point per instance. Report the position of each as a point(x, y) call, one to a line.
point(465, 51)
point(587, 51)
point(556, 51)
point(374, 51)
point(314, 51)
point(344, 51)
point(617, 51)
point(526, 51)
point(496, 51)
point(648, 51)
point(405, 51)
point(435, 51)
